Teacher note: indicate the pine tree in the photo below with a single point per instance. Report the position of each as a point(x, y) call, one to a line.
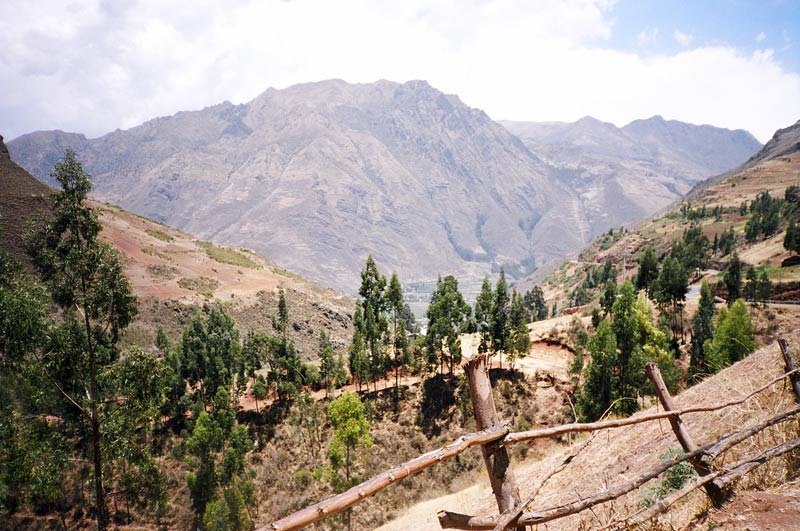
point(519, 337)
point(484, 304)
point(648, 269)
point(791, 241)
point(732, 277)
point(500, 308)
point(702, 331)
point(394, 301)
point(97, 304)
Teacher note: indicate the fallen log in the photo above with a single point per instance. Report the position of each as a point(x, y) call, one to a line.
point(448, 520)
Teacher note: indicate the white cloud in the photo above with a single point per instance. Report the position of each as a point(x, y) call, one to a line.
point(684, 39)
point(761, 36)
point(647, 36)
point(95, 66)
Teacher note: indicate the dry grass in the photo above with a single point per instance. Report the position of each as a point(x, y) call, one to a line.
point(622, 454)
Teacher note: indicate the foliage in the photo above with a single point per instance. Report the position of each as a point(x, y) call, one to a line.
point(702, 331)
point(331, 366)
point(500, 310)
point(791, 241)
point(764, 218)
point(674, 478)
point(670, 290)
point(372, 324)
point(484, 307)
point(106, 397)
point(648, 269)
point(216, 451)
point(733, 337)
point(210, 353)
point(535, 305)
point(519, 340)
point(620, 347)
point(732, 277)
point(350, 430)
point(224, 255)
point(447, 316)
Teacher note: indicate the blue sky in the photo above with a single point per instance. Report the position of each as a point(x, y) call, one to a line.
point(746, 25)
point(92, 66)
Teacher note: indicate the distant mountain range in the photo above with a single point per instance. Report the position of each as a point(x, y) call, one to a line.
point(318, 175)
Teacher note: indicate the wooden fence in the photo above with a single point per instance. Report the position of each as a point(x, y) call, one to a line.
point(494, 437)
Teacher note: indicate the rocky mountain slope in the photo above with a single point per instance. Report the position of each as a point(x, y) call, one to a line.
point(174, 273)
point(772, 169)
point(623, 175)
point(784, 142)
point(319, 175)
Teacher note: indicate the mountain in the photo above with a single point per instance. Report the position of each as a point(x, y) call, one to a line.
point(319, 175)
point(174, 273)
point(773, 169)
point(623, 175)
point(784, 142)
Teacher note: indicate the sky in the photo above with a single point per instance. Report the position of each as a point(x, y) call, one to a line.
point(92, 66)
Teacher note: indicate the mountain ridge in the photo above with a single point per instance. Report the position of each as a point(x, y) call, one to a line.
point(319, 175)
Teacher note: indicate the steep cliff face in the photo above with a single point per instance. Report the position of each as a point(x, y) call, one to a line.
point(318, 175)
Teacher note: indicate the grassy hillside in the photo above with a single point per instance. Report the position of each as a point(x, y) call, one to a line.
point(173, 272)
point(623, 246)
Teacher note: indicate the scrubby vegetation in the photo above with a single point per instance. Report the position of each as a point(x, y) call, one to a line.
point(227, 256)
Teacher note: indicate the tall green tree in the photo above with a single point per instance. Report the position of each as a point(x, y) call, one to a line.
point(500, 311)
point(535, 304)
point(702, 331)
point(519, 340)
point(732, 277)
point(97, 304)
point(374, 324)
point(648, 269)
point(609, 296)
point(670, 293)
point(791, 241)
point(347, 415)
point(733, 337)
point(211, 353)
point(447, 315)
point(85, 278)
point(484, 307)
point(331, 366)
point(399, 339)
point(216, 451)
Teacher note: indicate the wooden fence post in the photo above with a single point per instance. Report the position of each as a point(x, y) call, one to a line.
point(787, 359)
point(702, 467)
point(495, 455)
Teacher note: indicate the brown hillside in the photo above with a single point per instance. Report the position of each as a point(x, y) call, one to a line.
point(621, 454)
point(21, 197)
point(173, 273)
point(773, 175)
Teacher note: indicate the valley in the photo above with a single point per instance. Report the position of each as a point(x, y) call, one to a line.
point(254, 351)
point(319, 175)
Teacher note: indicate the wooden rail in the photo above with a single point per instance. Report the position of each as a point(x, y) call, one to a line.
point(494, 437)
